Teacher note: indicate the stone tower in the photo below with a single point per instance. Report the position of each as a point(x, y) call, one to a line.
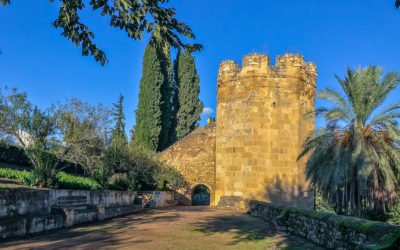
point(251, 151)
point(261, 127)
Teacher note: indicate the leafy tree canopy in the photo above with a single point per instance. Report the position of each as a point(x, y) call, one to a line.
point(133, 16)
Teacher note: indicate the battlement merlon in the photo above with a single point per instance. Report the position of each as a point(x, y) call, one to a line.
point(295, 62)
point(256, 61)
point(289, 60)
point(259, 64)
point(228, 71)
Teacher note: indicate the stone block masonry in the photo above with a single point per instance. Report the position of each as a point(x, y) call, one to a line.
point(261, 127)
point(329, 230)
point(251, 151)
point(194, 158)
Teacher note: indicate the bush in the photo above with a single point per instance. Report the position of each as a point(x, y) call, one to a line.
point(65, 181)
point(121, 182)
point(45, 169)
point(150, 172)
point(169, 178)
point(68, 181)
point(322, 204)
point(394, 215)
point(13, 155)
point(17, 156)
point(24, 177)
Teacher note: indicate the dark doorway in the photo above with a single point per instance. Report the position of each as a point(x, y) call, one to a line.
point(201, 196)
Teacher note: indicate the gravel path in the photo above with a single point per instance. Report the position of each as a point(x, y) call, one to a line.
point(172, 228)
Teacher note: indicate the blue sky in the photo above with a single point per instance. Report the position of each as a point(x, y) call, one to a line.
point(333, 34)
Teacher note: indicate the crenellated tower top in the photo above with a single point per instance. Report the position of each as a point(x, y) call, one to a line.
point(259, 65)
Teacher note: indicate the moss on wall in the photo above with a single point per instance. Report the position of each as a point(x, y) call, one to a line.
point(330, 230)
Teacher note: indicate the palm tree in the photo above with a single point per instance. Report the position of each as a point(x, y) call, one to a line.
point(355, 160)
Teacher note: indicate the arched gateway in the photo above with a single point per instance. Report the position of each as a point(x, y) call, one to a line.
point(201, 195)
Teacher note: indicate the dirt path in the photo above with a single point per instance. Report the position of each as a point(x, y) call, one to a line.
point(173, 228)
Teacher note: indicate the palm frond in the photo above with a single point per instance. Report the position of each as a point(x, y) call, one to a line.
point(357, 155)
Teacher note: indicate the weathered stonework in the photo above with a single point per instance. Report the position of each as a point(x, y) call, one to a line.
point(194, 157)
point(30, 211)
point(260, 129)
point(329, 230)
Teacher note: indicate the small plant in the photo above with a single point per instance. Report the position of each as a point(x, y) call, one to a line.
point(45, 169)
point(394, 215)
point(322, 204)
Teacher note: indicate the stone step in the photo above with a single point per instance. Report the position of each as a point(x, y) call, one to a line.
point(72, 202)
point(76, 207)
point(72, 198)
point(84, 210)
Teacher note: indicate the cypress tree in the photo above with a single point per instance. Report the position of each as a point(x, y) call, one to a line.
point(187, 81)
point(174, 110)
point(166, 98)
point(118, 135)
point(148, 114)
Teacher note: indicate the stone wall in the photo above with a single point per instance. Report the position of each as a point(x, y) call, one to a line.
point(29, 211)
point(261, 129)
point(329, 230)
point(194, 158)
point(17, 202)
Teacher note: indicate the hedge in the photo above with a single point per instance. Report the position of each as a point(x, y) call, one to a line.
point(13, 155)
point(65, 181)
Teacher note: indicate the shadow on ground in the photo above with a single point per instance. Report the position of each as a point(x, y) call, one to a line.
point(90, 236)
point(172, 228)
point(244, 228)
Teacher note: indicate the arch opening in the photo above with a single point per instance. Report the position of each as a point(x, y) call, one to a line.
point(201, 195)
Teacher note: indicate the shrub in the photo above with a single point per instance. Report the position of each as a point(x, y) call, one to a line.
point(13, 155)
point(65, 181)
point(169, 178)
point(394, 215)
point(150, 172)
point(24, 177)
point(322, 204)
point(121, 182)
point(68, 181)
point(45, 167)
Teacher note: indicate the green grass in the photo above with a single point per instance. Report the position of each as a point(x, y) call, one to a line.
point(65, 181)
point(385, 242)
point(198, 230)
point(367, 225)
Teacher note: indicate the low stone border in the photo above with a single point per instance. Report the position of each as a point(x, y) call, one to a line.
point(31, 211)
point(329, 230)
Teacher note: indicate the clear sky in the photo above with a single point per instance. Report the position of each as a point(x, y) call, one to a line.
point(333, 34)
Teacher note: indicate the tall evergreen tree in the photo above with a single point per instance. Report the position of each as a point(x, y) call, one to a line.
point(118, 135)
point(174, 111)
point(166, 98)
point(189, 104)
point(148, 114)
